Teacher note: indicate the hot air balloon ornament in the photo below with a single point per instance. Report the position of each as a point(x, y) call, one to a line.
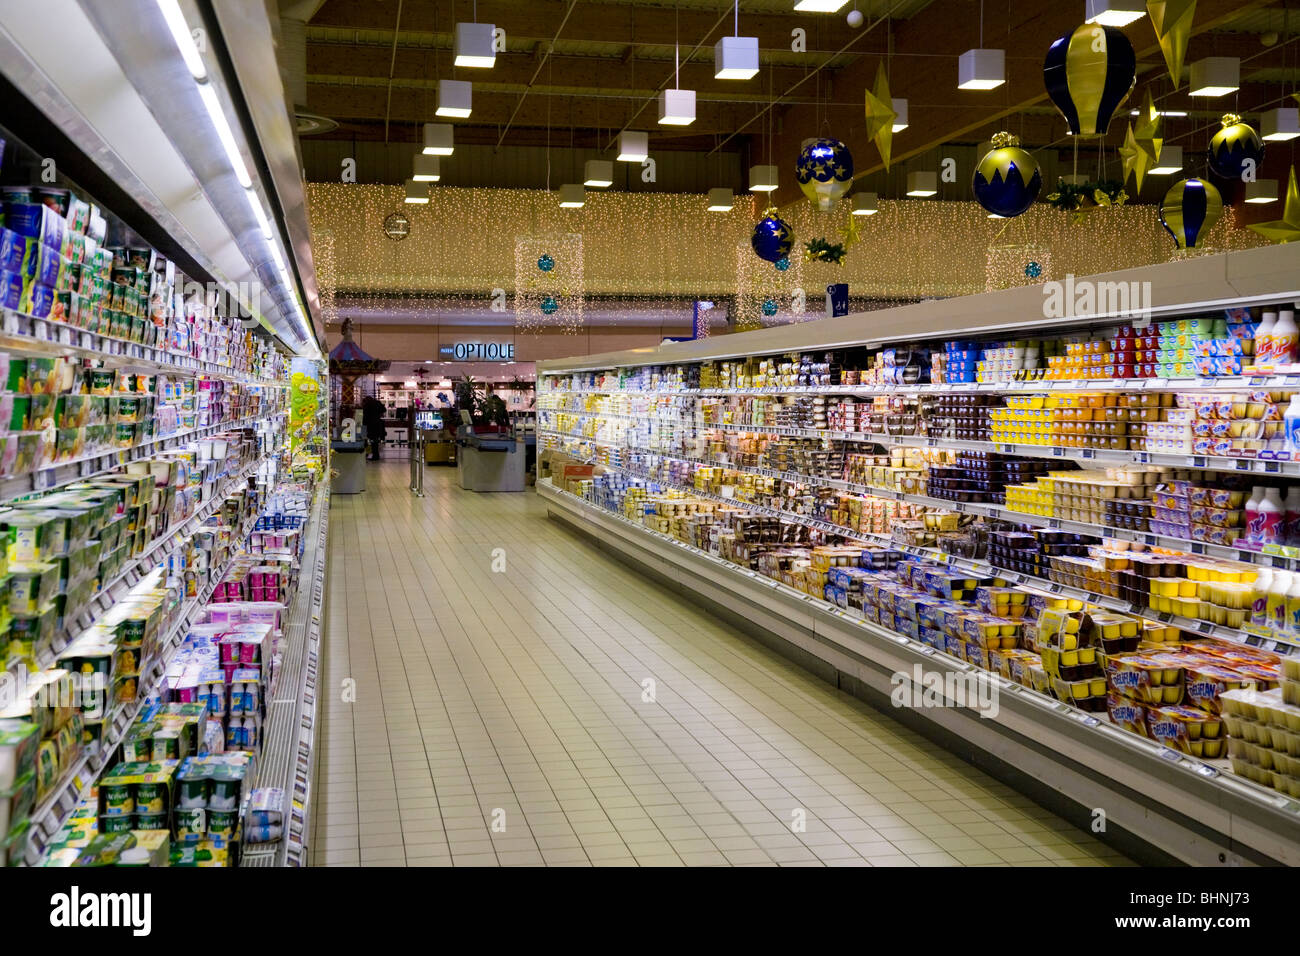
point(772, 239)
point(1089, 73)
point(1235, 149)
point(1007, 180)
point(824, 171)
point(1189, 211)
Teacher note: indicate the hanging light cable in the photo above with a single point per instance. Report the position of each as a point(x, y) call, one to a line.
point(676, 106)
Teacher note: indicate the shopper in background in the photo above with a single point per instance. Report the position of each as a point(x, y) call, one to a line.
point(372, 417)
point(494, 410)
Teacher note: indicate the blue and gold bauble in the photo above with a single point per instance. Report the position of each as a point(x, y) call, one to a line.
point(546, 263)
point(769, 307)
point(1089, 73)
point(549, 305)
point(1232, 146)
point(772, 239)
point(824, 171)
point(1189, 210)
point(1007, 180)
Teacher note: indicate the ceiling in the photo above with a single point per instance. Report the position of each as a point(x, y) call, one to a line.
point(575, 72)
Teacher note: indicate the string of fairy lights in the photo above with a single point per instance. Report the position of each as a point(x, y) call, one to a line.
point(636, 249)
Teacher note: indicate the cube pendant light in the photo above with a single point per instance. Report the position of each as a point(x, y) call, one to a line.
point(572, 196)
point(735, 58)
point(1281, 124)
point(819, 6)
point(476, 45)
point(900, 111)
point(598, 173)
point(633, 147)
point(763, 179)
point(438, 139)
point(981, 69)
point(864, 204)
point(1215, 76)
point(1171, 160)
point(416, 193)
point(428, 169)
point(721, 200)
point(922, 183)
point(676, 107)
point(1261, 191)
point(1114, 13)
point(455, 98)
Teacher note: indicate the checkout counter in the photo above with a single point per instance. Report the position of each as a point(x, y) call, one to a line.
point(490, 461)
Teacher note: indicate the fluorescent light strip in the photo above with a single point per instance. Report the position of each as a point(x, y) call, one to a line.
point(209, 96)
point(184, 40)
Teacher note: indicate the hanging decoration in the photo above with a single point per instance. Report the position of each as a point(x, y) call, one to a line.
point(1189, 210)
point(1172, 20)
point(881, 115)
point(1089, 73)
point(852, 232)
point(772, 239)
point(1286, 229)
point(1033, 270)
point(549, 306)
point(1133, 158)
point(1234, 148)
point(546, 263)
point(1018, 263)
point(547, 299)
point(769, 307)
point(1079, 199)
point(782, 265)
point(1007, 180)
point(819, 250)
point(824, 171)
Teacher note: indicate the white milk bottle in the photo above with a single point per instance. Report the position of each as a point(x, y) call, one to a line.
point(1264, 340)
point(1259, 601)
point(1283, 339)
point(1252, 514)
point(1277, 600)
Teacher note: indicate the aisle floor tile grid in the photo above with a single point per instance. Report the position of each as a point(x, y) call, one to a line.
point(563, 711)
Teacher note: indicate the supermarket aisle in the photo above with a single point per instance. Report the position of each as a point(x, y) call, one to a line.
point(514, 700)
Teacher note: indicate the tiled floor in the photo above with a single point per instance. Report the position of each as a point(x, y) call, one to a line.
point(473, 717)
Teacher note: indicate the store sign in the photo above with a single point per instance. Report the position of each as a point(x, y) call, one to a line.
point(837, 299)
point(477, 352)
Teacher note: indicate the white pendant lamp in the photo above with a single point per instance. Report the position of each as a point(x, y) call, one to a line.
point(922, 183)
point(476, 45)
point(900, 113)
point(1261, 191)
point(598, 173)
point(819, 6)
point(1281, 124)
point(428, 169)
point(735, 57)
point(572, 196)
point(721, 200)
point(1171, 160)
point(633, 147)
point(676, 107)
point(981, 69)
point(1215, 76)
point(455, 98)
point(865, 204)
point(763, 179)
point(416, 193)
point(1114, 13)
point(438, 139)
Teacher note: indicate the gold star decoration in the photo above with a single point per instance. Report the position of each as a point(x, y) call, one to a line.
point(1286, 229)
point(1149, 134)
point(881, 115)
point(853, 232)
point(1134, 158)
point(1173, 22)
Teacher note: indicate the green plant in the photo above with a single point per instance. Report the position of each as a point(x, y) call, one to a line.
point(1081, 198)
point(469, 397)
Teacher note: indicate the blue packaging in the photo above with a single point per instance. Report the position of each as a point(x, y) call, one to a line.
point(35, 221)
point(11, 290)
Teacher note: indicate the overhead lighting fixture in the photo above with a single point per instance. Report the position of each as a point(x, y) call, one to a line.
point(598, 173)
point(427, 169)
point(572, 196)
point(416, 193)
point(735, 58)
point(1281, 124)
point(763, 179)
point(455, 98)
point(721, 200)
point(1174, 114)
point(922, 183)
point(1215, 76)
point(476, 45)
point(981, 69)
point(259, 213)
point(819, 6)
point(1261, 191)
point(1114, 13)
point(1171, 161)
point(994, 215)
point(900, 113)
point(633, 147)
point(676, 107)
point(438, 139)
point(218, 117)
point(184, 39)
point(865, 204)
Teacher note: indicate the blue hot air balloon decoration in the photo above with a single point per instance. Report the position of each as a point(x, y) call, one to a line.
point(1189, 211)
point(772, 239)
point(1007, 180)
point(1089, 73)
point(824, 171)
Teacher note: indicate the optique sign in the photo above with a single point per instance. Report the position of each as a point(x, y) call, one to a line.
point(478, 352)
